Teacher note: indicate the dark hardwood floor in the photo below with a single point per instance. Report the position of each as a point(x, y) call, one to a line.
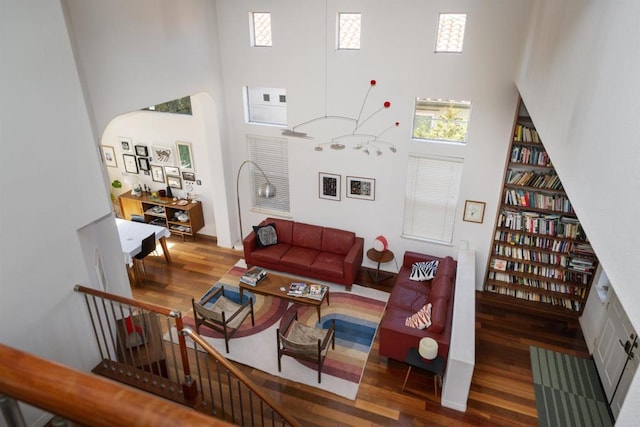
point(502, 388)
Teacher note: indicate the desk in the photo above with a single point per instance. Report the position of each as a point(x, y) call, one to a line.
point(131, 235)
point(435, 366)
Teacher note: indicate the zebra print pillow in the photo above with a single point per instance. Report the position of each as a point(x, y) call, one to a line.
point(420, 320)
point(421, 271)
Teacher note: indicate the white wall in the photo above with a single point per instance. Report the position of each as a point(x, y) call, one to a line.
point(580, 84)
point(397, 51)
point(53, 186)
point(162, 129)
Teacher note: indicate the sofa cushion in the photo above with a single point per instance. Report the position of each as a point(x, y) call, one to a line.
point(422, 271)
point(329, 264)
point(266, 235)
point(299, 257)
point(307, 236)
point(284, 228)
point(440, 288)
point(408, 299)
point(421, 319)
point(337, 241)
point(270, 254)
point(439, 315)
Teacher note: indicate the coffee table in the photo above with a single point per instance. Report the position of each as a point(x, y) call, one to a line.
point(271, 286)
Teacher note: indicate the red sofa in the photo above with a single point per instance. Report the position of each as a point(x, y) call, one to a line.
point(313, 251)
point(408, 297)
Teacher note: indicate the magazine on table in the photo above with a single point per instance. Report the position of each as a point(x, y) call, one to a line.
point(302, 290)
point(253, 276)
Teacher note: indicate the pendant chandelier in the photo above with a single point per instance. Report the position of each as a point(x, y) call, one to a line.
point(367, 143)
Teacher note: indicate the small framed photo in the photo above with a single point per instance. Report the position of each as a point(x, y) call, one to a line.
point(174, 182)
point(162, 155)
point(109, 156)
point(157, 173)
point(329, 186)
point(126, 144)
point(474, 211)
point(361, 188)
point(130, 164)
point(172, 171)
point(188, 176)
point(185, 158)
point(143, 163)
point(142, 151)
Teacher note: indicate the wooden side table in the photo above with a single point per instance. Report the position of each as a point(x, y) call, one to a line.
point(380, 257)
point(435, 366)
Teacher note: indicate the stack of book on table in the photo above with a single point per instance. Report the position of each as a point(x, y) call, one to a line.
point(303, 290)
point(253, 276)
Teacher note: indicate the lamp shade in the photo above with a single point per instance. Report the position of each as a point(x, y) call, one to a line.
point(380, 244)
point(267, 190)
point(428, 348)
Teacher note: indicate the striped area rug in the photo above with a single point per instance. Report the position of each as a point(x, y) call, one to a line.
point(568, 390)
point(357, 315)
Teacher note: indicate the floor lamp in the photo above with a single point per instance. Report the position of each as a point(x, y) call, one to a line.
point(266, 190)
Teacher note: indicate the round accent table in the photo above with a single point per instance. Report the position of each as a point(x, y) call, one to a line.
point(380, 257)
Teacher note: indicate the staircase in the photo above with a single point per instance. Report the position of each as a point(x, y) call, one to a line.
point(147, 347)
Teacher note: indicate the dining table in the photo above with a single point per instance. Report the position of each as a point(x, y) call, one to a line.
point(132, 233)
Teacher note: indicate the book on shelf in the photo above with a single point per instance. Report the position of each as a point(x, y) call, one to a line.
point(253, 276)
point(500, 264)
point(302, 290)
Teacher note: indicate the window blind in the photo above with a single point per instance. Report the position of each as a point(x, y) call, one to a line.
point(431, 197)
point(271, 154)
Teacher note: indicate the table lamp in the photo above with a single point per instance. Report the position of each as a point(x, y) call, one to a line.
point(428, 348)
point(380, 244)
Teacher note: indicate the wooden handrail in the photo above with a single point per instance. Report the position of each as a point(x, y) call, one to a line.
point(88, 399)
point(277, 408)
point(146, 306)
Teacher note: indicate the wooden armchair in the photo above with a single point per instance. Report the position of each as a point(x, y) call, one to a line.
point(304, 342)
point(224, 315)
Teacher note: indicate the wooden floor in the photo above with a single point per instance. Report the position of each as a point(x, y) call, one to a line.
point(502, 389)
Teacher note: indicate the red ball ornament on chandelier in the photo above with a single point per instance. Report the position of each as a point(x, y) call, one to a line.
point(380, 244)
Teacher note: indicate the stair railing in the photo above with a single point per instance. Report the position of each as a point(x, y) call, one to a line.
point(162, 363)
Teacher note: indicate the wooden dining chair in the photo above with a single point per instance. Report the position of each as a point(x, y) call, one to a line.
point(148, 246)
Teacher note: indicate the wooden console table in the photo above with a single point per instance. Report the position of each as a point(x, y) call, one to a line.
point(162, 211)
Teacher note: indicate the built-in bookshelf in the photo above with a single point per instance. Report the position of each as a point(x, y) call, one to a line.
point(540, 258)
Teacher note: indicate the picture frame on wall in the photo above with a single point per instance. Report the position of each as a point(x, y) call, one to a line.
point(109, 156)
point(162, 155)
point(185, 156)
point(329, 186)
point(188, 176)
point(172, 171)
point(143, 163)
point(174, 182)
point(130, 164)
point(157, 173)
point(142, 151)
point(361, 188)
point(126, 144)
point(474, 211)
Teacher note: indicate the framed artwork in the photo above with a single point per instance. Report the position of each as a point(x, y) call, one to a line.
point(188, 176)
point(163, 155)
point(185, 158)
point(474, 211)
point(143, 163)
point(126, 144)
point(142, 151)
point(109, 156)
point(174, 182)
point(172, 171)
point(157, 173)
point(130, 164)
point(329, 186)
point(361, 188)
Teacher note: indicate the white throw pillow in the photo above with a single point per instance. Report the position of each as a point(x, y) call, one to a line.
point(421, 271)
